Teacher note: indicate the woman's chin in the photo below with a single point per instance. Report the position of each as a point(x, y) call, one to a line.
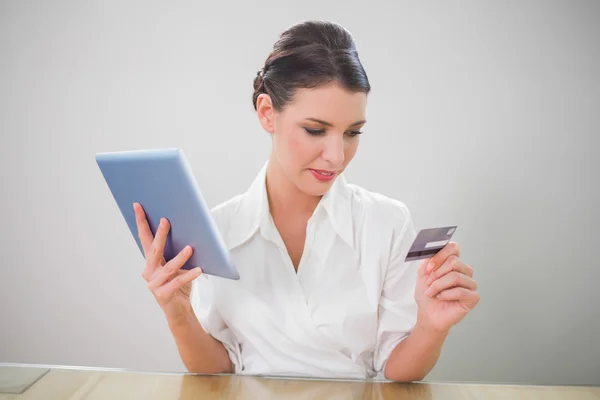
point(315, 187)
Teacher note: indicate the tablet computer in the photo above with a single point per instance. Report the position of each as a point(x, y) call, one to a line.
point(163, 183)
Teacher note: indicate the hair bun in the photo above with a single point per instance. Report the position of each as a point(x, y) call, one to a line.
point(307, 55)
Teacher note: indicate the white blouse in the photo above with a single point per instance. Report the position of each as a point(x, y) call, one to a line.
point(341, 315)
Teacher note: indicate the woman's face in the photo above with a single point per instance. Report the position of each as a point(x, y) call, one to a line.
point(316, 135)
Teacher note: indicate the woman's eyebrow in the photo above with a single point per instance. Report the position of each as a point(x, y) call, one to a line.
point(330, 124)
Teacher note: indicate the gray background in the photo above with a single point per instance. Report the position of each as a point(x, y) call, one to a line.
point(483, 114)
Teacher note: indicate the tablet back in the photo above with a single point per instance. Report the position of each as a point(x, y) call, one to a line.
point(163, 183)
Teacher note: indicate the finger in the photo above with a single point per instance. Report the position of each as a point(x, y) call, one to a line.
point(450, 280)
point(170, 269)
point(166, 291)
point(144, 232)
point(438, 259)
point(468, 297)
point(452, 263)
point(422, 271)
point(157, 248)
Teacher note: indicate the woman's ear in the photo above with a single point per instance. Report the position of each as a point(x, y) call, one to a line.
point(265, 112)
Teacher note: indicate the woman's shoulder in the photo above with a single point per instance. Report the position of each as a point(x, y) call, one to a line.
point(376, 205)
point(226, 209)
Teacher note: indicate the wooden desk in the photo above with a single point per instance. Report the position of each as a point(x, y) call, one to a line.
point(59, 383)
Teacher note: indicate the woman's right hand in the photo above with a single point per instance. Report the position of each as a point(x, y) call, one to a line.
point(170, 285)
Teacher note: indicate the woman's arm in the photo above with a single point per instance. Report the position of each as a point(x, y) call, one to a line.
point(414, 357)
point(171, 286)
point(445, 293)
point(199, 351)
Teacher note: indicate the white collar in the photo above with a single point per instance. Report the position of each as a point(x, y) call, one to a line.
point(253, 209)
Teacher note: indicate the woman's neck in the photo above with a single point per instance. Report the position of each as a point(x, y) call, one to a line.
point(284, 196)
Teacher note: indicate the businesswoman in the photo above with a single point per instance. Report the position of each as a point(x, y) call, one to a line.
point(324, 290)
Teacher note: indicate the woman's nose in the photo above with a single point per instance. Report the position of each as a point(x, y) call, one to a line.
point(334, 150)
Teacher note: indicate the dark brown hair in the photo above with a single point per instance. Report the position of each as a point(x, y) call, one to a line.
point(310, 54)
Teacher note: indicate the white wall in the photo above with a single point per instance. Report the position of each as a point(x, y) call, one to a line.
point(483, 114)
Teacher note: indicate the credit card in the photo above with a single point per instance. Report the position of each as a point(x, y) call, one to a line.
point(429, 241)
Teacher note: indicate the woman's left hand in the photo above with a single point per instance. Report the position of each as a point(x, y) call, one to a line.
point(445, 291)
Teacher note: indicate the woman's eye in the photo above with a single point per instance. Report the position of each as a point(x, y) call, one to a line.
point(319, 132)
point(315, 132)
point(354, 133)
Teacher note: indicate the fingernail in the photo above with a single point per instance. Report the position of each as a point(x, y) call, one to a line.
point(430, 267)
point(428, 292)
point(429, 281)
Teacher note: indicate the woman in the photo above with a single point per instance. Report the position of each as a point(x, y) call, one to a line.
point(324, 288)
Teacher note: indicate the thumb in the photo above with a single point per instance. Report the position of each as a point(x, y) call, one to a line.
point(422, 273)
point(423, 268)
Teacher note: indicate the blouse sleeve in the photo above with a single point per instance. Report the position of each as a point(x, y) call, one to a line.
point(397, 305)
point(208, 315)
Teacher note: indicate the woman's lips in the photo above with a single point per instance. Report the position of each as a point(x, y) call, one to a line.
point(323, 175)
